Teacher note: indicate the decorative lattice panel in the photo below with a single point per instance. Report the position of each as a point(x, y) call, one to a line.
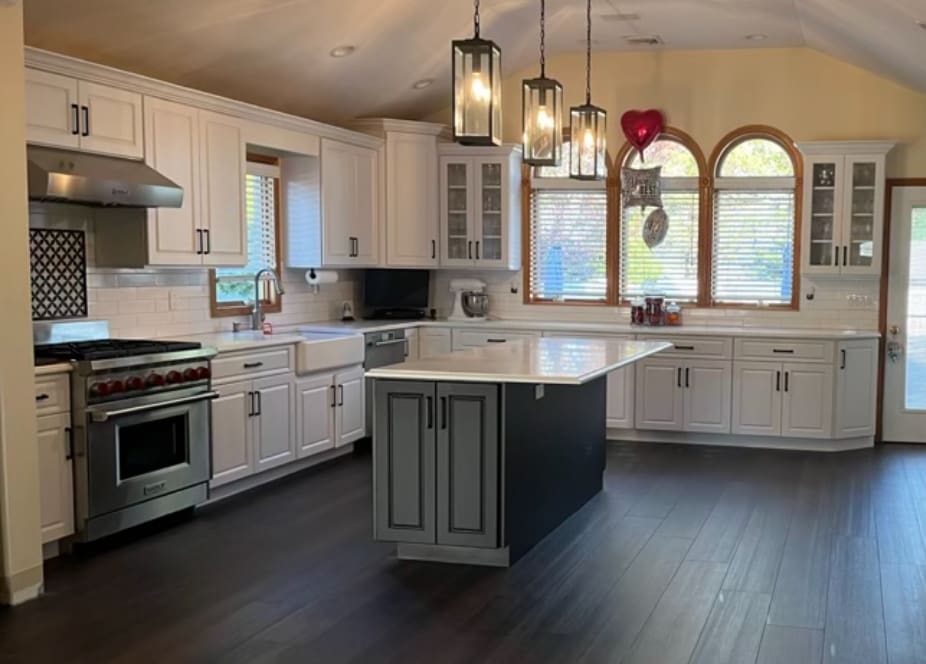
point(59, 274)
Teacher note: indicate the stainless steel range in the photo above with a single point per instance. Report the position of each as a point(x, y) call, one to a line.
point(141, 424)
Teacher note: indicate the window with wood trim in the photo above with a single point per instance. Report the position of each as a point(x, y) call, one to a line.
point(670, 269)
point(754, 225)
point(232, 289)
point(568, 238)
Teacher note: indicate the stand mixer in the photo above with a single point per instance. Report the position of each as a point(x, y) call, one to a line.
point(470, 301)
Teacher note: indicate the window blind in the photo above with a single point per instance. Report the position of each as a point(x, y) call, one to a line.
point(568, 244)
point(753, 246)
point(670, 269)
point(260, 207)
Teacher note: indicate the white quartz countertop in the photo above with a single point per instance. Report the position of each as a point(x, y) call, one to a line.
point(547, 360)
point(595, 328)
point(244, 340)
point(51, 369)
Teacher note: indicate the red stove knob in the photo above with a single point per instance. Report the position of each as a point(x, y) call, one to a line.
point(174, 377)
point(189, 374)
point(203, 373)
point(154, 380)
point(99, 389)
point(133, 383)
point(116, 386)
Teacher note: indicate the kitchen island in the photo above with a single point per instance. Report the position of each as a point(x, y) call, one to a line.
point(479, 454)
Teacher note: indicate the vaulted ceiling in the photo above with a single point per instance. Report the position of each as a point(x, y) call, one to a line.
point(276, 53)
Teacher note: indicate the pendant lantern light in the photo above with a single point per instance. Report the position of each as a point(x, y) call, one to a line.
point(542, 111)
point(588, 146)
point(477, 89)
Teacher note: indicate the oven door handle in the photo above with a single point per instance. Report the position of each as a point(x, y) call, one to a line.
point(99, 415)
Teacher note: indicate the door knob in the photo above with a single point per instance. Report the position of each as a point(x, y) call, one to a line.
point(894, 330)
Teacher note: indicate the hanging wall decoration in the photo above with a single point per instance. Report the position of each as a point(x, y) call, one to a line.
point(476, 65)
point(655, 228)
point(642, 128)
point(641, 186)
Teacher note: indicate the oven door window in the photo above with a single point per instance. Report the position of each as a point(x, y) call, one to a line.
point(153, 445)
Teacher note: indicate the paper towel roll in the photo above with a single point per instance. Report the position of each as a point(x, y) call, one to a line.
point(320, 277)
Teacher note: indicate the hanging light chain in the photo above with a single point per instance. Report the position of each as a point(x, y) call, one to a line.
point(543, 35)
point(588, 53)
point(476, 18)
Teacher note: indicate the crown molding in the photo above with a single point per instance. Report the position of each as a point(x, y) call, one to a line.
point(839, 147)
point(380, 126)
point(67, 66)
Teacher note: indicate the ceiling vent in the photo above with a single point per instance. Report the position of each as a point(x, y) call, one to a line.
point(643, 40)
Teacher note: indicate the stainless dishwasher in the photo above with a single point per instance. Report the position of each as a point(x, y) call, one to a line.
point(381, 349)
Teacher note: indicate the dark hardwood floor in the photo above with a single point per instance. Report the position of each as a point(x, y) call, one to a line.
point(691, 554)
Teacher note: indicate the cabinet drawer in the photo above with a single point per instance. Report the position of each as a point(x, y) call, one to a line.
point(477, 338)
point(52, 395)
point(694, 346)
point(783, 350)
point(260, 363)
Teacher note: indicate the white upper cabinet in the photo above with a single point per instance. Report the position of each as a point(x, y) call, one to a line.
point(349, 205)
point(410, 190)
point(64, 112)
point(843, 218)
point(204, 153)
point(480, 207)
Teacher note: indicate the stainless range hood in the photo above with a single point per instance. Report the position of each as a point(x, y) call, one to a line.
point(89, 179)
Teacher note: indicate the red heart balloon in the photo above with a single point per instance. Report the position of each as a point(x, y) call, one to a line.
point(642, 127)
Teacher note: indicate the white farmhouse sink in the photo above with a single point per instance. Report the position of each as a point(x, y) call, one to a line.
point(320, 351)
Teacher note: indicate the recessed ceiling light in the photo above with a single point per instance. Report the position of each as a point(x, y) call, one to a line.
point(342, 51)
point(423, 83)
point(922, 24)
point(758, 36)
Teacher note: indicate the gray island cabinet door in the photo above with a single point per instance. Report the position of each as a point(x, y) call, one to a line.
point(403, 461)
point(467, 464)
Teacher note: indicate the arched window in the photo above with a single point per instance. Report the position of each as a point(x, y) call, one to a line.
point(568, 238)
point(671, 268)
point(756, 174)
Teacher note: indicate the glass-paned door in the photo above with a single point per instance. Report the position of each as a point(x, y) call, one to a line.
point(904, 408)
point(824, 214)
point(491, 211)
point(457, 211)
point(861, 247)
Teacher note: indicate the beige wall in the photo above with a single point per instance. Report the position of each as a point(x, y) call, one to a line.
point(807, 94)
point(20, 548)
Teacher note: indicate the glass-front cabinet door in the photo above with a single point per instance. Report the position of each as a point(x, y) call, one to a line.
point(823, 238)
point(863, 223)
point(490, 235)
point(457, 213)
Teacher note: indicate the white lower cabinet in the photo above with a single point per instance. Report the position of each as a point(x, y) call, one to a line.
point(433, 342)
point(856, 391)
point(56, 479)
point(620, 398)
point(683, 395)
point(411, 344)
point(253, 427)
point(793, 400)
point(331, 411)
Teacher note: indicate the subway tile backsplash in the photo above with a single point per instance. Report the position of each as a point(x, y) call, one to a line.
point(175, 301)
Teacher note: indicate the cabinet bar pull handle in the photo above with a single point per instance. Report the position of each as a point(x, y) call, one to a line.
point(496, 341)
point(778, 381)
point(45, 397)
point(789, 351)
point(678, 380)
point(429, 406)
point(443, 412)
point(86, 112)
point(433, 249)
point(842, 364)
point(340, 395)
point(836, 257)
point(253, 365)
point(69, 453)
point(787, 377)
point(76, 129)
point(334, 401)
point(470, 249)
point(677, 347)
point(250, 404)
point(260, 404)
point(477, 250)
point(845, 255)
point(199, 242)
point(687, 373)
point(208, 235)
